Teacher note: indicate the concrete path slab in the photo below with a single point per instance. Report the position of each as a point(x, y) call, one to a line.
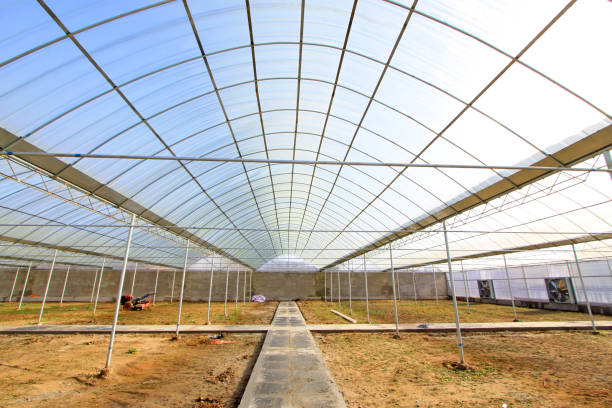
point(465, 327)
point(104, 329)
point(290, 370)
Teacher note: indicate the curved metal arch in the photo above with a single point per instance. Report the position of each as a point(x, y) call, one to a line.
point(322, 169)
point(263, 187)
point(395, 3)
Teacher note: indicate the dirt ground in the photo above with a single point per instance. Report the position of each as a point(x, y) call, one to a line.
point(147, 370)
point(538, 369)
point(428, 311)
point(160, 313)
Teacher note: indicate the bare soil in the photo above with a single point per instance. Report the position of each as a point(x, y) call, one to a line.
point(428, 311)
point(537, 369)
point(160, 313)
point(147, 370)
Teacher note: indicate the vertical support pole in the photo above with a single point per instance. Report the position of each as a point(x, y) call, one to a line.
point(414, 285)
point(339, 301)
point(25, 283)
point(331, 286)
point(99, 284)
point(42, 306)
point(212, 272)
point(118, 300)
point(237, 287)
point(93, 288)
point(452, 284)
point(178, 318)
point(244, 289)
point(14, 282)
point(510, 289)
point(465, 287)
point(250, 285)
point(435, 282)
point(397, 281)
point(173, 283)
point(350, 288)
point(584, 291)
point(394, 295)
point(226, 287)
point(526, 284)
point(64, 288)
point(155, 290)
point(325, 287)
point(133, 280)
point(365, 271)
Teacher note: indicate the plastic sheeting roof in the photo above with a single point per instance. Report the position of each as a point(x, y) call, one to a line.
point(493, 83)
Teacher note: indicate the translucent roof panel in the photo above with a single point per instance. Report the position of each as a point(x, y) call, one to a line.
point(148, 90)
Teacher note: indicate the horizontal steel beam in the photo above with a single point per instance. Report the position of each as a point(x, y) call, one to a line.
point(306, 162)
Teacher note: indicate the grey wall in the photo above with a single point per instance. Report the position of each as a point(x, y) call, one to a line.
point(273, 285)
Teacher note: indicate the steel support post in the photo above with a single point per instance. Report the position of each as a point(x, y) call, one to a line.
point(226, 287)
point(394, 295)
point(119, 293)
point(250, 285)
point(99, 284)
point(465, 287)
point(25, 283)
point(212, 272)
point(350, 288)
point(414, 285)
point(244, 288)
point(42, 306)
point(526, 284)
point(510, 289)
point(325, 287)
point(178, 317)
point(64, 287)
point(365, 271)
point(584, 291)
point(93, 288)
point(339, 301)
point(14, 282)
point(452, 284)
point(435, 282)
point(173, 283)
point(237, 287)
point(331, 287)
point(134, 279)
point(155, 290)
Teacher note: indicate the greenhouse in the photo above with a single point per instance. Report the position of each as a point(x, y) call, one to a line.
point(305, 203)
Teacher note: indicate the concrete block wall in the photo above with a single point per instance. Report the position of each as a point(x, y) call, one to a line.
point(273, 285)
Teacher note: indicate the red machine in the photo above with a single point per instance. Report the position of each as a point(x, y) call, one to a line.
point(140, 303)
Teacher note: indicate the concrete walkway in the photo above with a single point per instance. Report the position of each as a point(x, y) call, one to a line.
point(290, 370)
